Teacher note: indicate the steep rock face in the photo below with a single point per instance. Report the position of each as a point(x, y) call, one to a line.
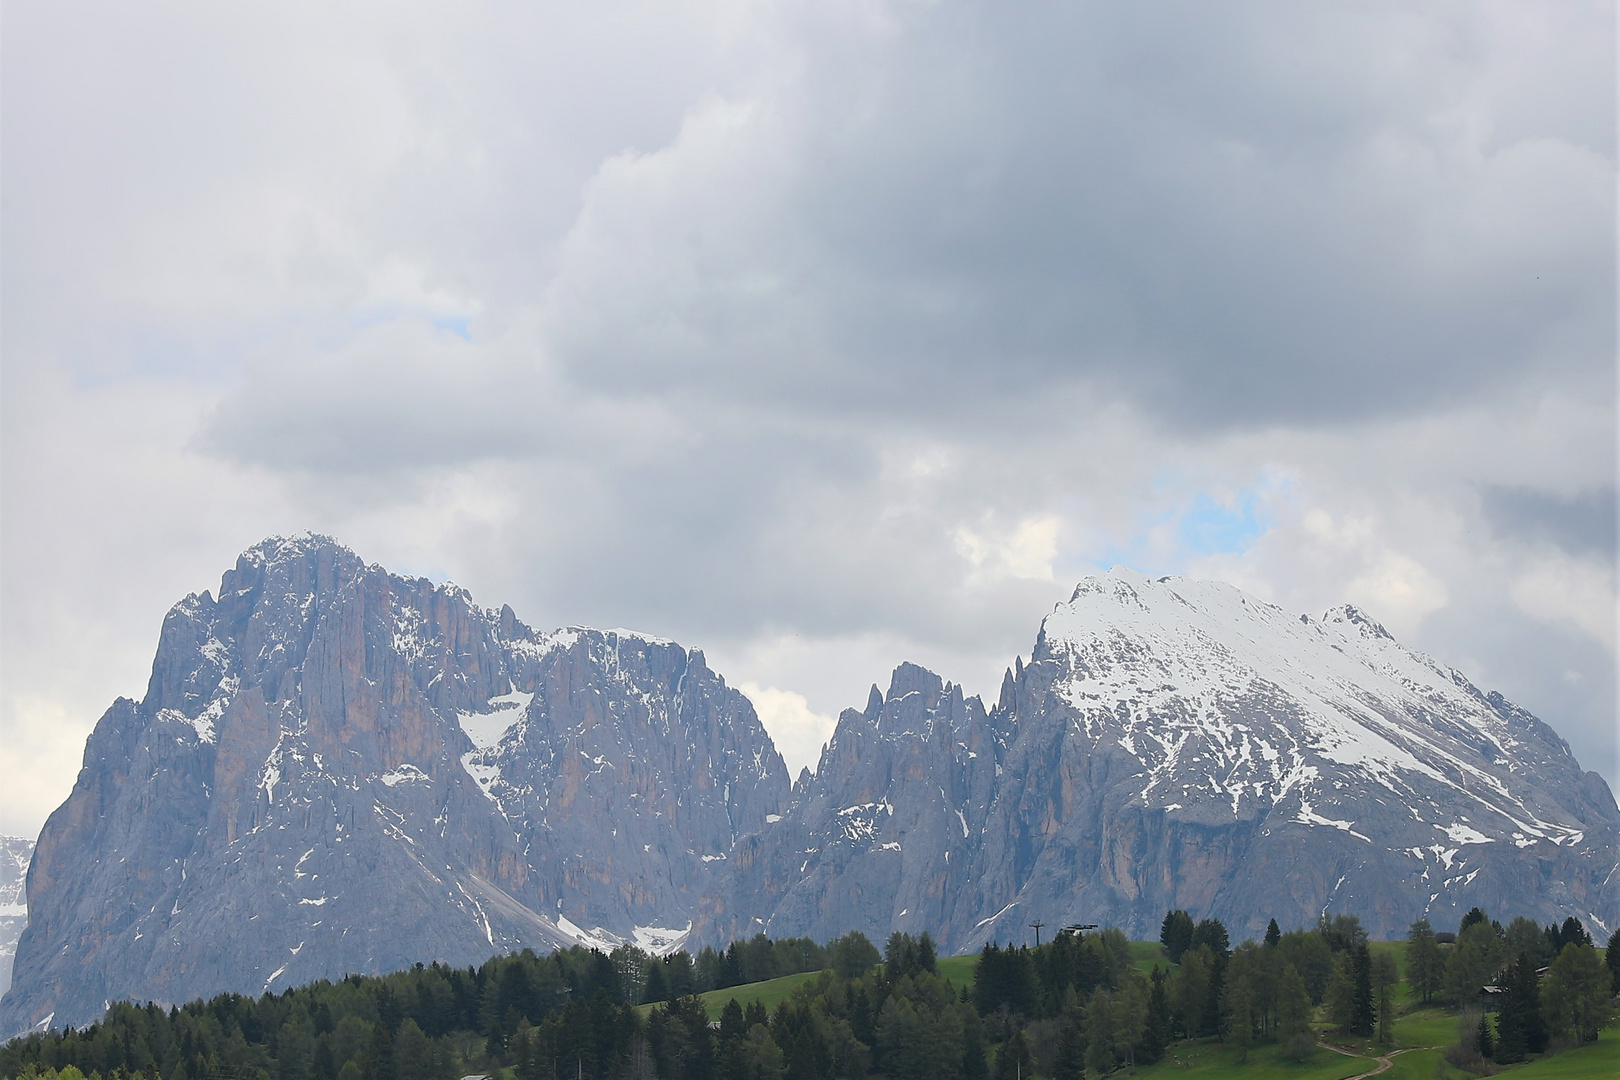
point(629, 769)
point(1180, 744)
point(882, 837)
point(338, 769)
point(15, 853)
point(303, 791)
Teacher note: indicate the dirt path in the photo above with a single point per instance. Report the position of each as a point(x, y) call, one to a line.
point(1383, 1060)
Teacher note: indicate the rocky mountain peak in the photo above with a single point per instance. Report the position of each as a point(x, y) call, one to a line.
point(337, 769)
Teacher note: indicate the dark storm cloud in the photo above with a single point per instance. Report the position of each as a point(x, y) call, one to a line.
point(1584, 524)
point(1211, 211)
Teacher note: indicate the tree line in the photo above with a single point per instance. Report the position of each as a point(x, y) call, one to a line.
point(1521, 988)
point(1078, 1005)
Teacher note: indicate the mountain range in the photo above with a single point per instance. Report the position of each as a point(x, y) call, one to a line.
point(15, 853)
point(339, 769)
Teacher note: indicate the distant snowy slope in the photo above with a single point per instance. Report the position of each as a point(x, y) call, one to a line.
point(14, 855)
point(1239, 702)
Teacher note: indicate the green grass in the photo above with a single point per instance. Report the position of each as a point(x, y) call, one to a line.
point(1206, 1059)
point(772, 992)
point(1144, 954)
point(958, 969)
point(1599, 1059)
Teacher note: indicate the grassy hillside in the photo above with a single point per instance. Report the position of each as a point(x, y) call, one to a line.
point(1420, 1036)
point(772, 992)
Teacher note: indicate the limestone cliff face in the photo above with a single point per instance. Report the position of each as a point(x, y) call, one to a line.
point(337, 769)
point(15, 854)
point(884, 835)
point(1179, 744)
point(329, 773)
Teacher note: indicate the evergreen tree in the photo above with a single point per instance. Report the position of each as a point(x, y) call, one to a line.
point(731, 1022)
point(1523, 935)
point(1520, 1027)
point(1239, 1011)
point(1384, 977)
point(1425, 963)
point(1176, 934)
point(925, 953)
point(973, 1063)
point(1476, 917)
point(1293, 1004)
point(295, 1052)
point(1578, 999)
point(656, 987)
point(1156, 1032)
point(1362, 1017)
point(413, 1052)
point(1013, 1063)
point(1098, 1029)
point(1212, 932)
point(1482, 1037)
point(1611, 957)
point(1273, 934)
point(1189, 993)
point(1573, 933)
point(1069, 1063)
point(1473, 960)
point(1340, 1000)
point(378, 1063)
point(852, 955)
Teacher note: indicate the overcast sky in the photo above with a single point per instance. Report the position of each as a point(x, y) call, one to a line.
point(818, 335)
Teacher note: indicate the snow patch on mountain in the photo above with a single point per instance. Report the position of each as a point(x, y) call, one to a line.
point(15, 854)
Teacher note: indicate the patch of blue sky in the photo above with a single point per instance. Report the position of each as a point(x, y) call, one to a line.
point(1168, 540)
point(1211, 527)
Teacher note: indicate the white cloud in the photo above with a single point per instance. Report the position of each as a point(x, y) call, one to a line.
point(798, 732)
point(1579, 591)
point(820, 337)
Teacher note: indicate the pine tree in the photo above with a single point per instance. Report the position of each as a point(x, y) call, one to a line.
point(732, 1025)
point(1176, 934)
point(1340, 1000)
point(1156, 1032)
point(1273, 934)
point(925, 953)
point(657, 986)
point(378, 1062)
point(1519, 1002)
point(1361, 1010)
point(1099, 1035)
point(1573, 933)
point(1425, 964)
point(1013, 1063)
point(1611, 957)
point(1578, 1000)
point(973, 1064)
point(1482, 1038)
point(1384, 977)
point(1240, 1016)
point(1070, 1060)
point(1293, 1004)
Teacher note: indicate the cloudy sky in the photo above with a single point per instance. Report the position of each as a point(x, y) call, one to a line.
point(821, 335)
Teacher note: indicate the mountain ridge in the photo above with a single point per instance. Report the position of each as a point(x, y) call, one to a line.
point(373, 766)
